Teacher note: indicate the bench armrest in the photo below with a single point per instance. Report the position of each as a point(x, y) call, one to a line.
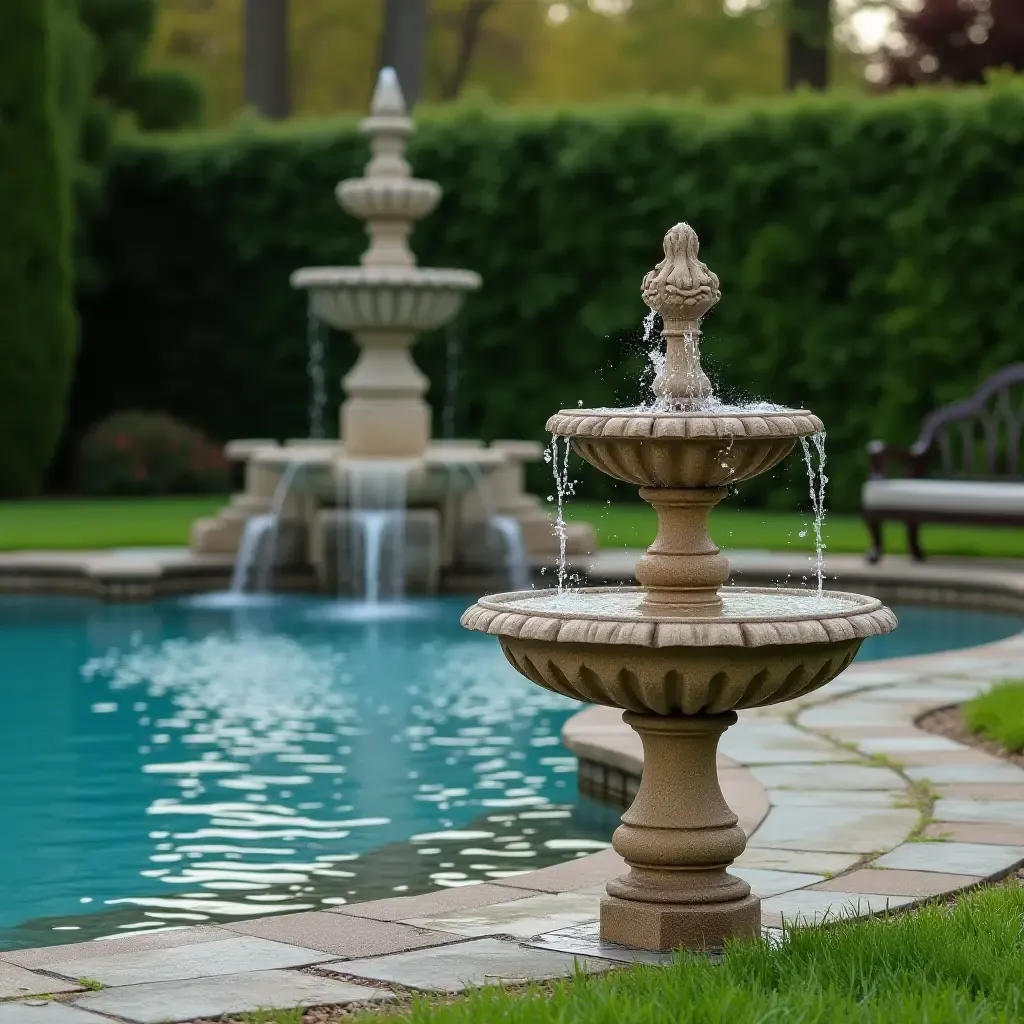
point(882, 456)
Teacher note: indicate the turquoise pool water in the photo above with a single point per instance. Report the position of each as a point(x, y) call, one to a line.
point(181, 762)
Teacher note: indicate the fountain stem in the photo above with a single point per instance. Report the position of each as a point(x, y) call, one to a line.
point(682, 383)
point(678, 838)
point(683, 569)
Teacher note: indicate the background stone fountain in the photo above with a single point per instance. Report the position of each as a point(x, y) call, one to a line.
point(681, 654)
point(442, 512)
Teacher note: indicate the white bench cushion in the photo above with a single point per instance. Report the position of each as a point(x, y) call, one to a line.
point(954, 497)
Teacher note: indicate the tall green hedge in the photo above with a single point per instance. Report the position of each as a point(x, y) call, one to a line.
point(871, 253)
point(36, 318)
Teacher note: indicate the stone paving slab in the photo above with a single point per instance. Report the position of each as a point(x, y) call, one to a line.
point(585, 940)
point(471, 964)
point(202, 960)
point(797, 860)
point(920, 742)
point(227, 994)
point(122, 945)
point(849, 713)
point(826, 776)
point(17, 982)
point(1000, 811)
point(994, 771)
point(442, 901)
point(767, 742)
point(46, 1013)
point(954, 858)
point(835, 829)
point(897, 882)
point(765, 882)
point(838, 797)
point(340, 935)
point(522, 918)
point(975, 832)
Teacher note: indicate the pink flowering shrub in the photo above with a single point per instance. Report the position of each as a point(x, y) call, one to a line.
point(149, 453)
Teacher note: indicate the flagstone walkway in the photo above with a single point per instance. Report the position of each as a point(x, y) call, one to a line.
point(850, 808)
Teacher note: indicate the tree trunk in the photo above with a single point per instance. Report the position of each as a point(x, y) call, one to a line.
point(470, 23)
point(809, 42)
point(403, 44)
point(266, 57)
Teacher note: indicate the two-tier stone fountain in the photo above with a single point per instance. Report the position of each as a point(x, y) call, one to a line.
point(680, 654)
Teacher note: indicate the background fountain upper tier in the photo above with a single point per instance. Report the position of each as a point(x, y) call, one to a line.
point(386, 300)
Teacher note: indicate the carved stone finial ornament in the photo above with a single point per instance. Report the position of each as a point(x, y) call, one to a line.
point(682, 290)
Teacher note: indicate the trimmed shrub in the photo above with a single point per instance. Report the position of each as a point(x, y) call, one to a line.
point(871, 254)
point(150, 453)
point(37, 326)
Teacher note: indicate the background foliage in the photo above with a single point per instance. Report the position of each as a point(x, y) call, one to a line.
point(38, 331)
point(871, 253)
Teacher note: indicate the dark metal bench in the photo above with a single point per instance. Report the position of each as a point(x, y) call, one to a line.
point(965, 466)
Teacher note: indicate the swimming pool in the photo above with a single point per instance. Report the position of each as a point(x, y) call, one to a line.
point(180, 762)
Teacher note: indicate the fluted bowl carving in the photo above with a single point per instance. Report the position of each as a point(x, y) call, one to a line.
point(400, 198)
point(406, 299)
point(696, 665)
point(683, 449)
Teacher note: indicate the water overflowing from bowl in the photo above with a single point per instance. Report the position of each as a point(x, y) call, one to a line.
point(315, 369)
point(564, 488)
point(816, 481)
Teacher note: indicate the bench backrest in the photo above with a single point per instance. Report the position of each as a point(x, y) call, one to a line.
point(980, 437)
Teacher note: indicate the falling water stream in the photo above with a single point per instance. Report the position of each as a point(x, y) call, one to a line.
point(315, 369)
point(376, 492)
point(816, 481)
point(257, 551)
point(505, 529)
point(563, 489)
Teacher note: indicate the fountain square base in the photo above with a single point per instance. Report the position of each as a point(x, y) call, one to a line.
point(666, 926)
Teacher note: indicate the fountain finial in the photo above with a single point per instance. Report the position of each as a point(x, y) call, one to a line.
point(388, 100)
point(682, 290)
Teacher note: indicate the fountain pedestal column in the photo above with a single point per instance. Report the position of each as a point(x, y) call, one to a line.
point(683, 569)
point(384, 415)
point(678, 838)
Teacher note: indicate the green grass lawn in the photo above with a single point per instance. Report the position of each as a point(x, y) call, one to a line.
point(940, 966)
point(634, 526)
point(100, 523)
point(999, 715)
point(158, 522)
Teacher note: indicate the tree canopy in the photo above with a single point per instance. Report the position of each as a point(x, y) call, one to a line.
point(512, 51)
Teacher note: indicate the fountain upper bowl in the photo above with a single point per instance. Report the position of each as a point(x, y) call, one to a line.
point(704, 448)
point(596, 645)
point(386, 298)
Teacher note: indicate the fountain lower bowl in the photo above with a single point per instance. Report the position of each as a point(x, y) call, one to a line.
point(596, 645)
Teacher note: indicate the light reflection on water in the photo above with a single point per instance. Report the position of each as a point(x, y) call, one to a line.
point(174, 763)
point(231, 762)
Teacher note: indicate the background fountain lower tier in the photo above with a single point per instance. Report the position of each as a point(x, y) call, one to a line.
point(459, 519)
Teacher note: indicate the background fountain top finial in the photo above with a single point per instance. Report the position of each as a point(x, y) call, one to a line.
point(680, 287)
point(388, 100)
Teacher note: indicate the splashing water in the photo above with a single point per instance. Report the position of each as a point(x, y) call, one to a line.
point(315, 369)
point(816, 481)
point(563, 489)
point(655, 355)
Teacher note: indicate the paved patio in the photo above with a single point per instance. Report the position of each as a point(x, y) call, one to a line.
point(850, 808)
